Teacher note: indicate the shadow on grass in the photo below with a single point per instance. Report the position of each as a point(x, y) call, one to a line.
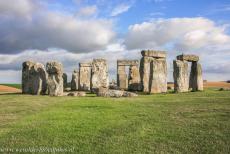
point(10, 93)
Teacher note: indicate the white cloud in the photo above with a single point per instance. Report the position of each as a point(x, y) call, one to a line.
point(88, 11)
point(19, 7)
point(120, 9)
point(13, 63)
point(46, 29)
point(180, 33)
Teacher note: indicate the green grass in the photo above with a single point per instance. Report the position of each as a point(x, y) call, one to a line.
point(196, 122)
point(15, 85)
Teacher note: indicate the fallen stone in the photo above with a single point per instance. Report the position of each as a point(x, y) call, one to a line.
point(77, 94)
point(103, 92)
point(129, 94)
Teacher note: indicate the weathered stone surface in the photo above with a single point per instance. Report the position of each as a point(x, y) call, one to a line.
point(113, 85)
point(77, 93)
point(127, 62)
point(103, 92)
point(129, 94)
point(180, 75)
point(84, 76)
point(190, 58)
point(99, 74)
point(111, 93)
point(134, 78)
point(158, 76)
point(145, 73)
point(122, 79)
point(34, 78)
point(196, 80)
point(67, 89)
point(74, 81)
point(153, 53)
point(85, 64)
point(65, 84)
point(132, 82)
point(55, 80)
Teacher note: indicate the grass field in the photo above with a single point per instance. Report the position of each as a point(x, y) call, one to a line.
point(196, 122)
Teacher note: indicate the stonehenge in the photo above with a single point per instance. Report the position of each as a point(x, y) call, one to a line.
point(132, 80)
point(99, 74)
point(34, 78)
point(180, 75)
point(84, 76)
point(55, 78)
point(74, 81)
point(182, 81)
point(65, 84)
point(148, 75)
point(104, 92)
point(153, 71)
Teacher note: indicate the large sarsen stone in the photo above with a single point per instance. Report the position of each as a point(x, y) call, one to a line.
point(55, 79)
point(33, 78)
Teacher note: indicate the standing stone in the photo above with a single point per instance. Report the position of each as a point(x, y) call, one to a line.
point(33, 78)
point(145, 73)
point(65, 83)
point(196, 80)
point(180, 75)
point(99, 74)
point(158, 76)
point(134, 78)
point(122, 80)
point(55, 79)
point(74, 81)
point(153, 71)
point(84, 76)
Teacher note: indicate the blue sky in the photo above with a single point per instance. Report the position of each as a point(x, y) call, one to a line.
point(144, 10)
point(73, 31)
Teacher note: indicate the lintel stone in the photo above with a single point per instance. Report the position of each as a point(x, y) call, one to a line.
point(189, 58)
point(153, 53)
point(85, 64)
point(127, 62)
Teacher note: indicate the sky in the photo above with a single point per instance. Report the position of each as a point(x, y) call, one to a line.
point(73, 31)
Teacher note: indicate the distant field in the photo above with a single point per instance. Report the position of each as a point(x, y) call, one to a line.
point(3, 87)
point(18, 86)
point(212, 85)
point(196, 122)
point(10, 88)
point(217, 84)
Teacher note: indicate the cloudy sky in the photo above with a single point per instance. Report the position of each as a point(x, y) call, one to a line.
point(73, 31)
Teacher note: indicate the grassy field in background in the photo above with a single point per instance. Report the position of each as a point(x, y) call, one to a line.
point(12, 85)
point(196, 122)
